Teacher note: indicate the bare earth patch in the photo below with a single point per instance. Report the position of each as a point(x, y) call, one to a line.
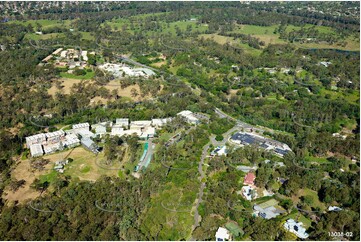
point(67, 83)
point(82, 159)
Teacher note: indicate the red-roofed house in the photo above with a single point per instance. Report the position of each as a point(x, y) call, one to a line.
point(249, 179)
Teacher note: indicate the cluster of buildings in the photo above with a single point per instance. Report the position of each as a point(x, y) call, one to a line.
point(59, 165)
point(143, 128)
point(249, 191)
point(70, 58)
point(121, 70)
point(245, 138)
point(47, 143)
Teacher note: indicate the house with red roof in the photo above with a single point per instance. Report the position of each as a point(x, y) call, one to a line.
point(249, 179)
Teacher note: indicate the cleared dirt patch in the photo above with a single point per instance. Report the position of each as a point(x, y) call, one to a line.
point(159, 64)
point(84, 167)
point(67, 83)
point(25, 172)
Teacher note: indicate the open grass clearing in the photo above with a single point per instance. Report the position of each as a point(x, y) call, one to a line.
point(44, 23)
point(88, 75)
point(316, 203)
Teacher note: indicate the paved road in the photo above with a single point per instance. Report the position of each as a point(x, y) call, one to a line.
point(242, 124)
point(201, 188)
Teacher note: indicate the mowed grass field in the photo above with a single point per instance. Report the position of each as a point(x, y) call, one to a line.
point(45, 23)
point(236, 43)
point(266, 34)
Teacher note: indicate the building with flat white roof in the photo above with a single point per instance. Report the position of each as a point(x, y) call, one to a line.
point(100, 130)
point(220, 150)
point(51, 148)
point(85, 133)
point(160, 122)
point(63, 54)
point(83, 129)
point(122, 122)
point(148, 132)
point(84, 55)
point(55, 136)
point(71, 140)
point(140, 123)
point(296, 228)
point(57, 51)
point(222, 234)
point(117, 130)
point(35, 139)
point(81, 126)
point(189, 116)
point(36, 150)
point(334, 208)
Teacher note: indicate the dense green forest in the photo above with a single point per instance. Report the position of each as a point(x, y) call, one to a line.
point(261, 63)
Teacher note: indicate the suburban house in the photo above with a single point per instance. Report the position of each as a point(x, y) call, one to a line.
point(223, 234)
point(325, 63)
point(220, 150)
point(269, 209)
point(334, 208)
point(249, 179)
point(249, 193)
point(296, 228)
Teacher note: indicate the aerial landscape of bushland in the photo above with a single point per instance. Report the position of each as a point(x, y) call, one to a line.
point(180, 121)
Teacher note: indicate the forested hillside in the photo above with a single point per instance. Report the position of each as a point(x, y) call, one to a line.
point(291, 70)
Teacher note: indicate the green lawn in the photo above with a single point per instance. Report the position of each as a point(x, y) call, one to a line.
point(349, 97)
point(49, 177)
point(316, 202)
point(87, 36)
point(34, 36)
point(87, 76)
point(265, 33)
point(316, 159)
point(45, 23)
